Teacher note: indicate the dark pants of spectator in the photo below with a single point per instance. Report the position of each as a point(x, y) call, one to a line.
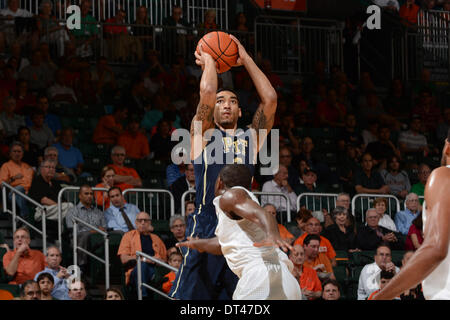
point(148, 271)
point(21, 202)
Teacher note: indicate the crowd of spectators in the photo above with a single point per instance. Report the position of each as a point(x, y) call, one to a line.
point(380, 143)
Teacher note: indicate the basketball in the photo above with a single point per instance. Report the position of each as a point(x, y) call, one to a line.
point(221, 47)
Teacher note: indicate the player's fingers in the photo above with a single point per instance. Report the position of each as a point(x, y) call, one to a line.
point(235, 40)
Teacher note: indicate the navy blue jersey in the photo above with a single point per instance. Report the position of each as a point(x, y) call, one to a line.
point(236, 149)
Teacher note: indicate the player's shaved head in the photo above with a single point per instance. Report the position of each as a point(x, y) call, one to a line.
point(236, 175)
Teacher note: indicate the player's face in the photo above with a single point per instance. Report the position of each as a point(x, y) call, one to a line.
point(218, 187)
point(227, 111)
point(331, 292)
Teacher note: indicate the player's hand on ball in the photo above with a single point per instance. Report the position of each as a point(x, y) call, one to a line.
point(243, 55)
point(201, 57)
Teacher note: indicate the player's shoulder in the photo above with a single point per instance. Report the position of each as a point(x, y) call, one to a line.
point(440, 174)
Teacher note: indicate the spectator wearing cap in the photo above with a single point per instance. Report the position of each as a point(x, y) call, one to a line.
point(309, 177)
point(339, 234)
point(412, 142)
point(368, 180)
point(280, 184)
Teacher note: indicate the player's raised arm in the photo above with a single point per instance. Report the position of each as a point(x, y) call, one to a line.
point(236, 204)
point(208, 89)
point(265, 114)
point(434, 248)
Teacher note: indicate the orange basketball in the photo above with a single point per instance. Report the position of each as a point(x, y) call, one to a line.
point(221, 47)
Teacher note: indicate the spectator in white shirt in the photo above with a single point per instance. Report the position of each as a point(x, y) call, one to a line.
point(280, 184)
point(386, 221)
point(369, 279)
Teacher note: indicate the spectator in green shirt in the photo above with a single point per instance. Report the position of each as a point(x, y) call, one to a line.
point(419, 187)
point(86, 35)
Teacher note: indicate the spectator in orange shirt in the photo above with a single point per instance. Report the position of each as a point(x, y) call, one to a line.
point(125, 177)
point(22, 263)
point(141, 239)
point(314, 260)
point(18, 174)
point(109, 127)
point(101, 197)
point(306, 276)
point(175, 261)
point(134, 141)
point(326, 249)
point(284, 233)
point(408, 12)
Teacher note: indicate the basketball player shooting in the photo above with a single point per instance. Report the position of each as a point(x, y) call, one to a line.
point(203, 276)
point(248, 237)
point(430, 264)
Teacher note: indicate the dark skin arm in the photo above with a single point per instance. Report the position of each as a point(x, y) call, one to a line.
point(203, 118)
point(237, 205)
point(265, 114)
point(436, 238)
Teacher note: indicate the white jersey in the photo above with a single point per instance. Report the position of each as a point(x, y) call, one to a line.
point(437, 285)
point(265, 272)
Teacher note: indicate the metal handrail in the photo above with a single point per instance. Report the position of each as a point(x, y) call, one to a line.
point(183, 199)
point(288, 203)
point(306, 194)
point(172, 199)
point(15, 217)
point(139, 256)
point(60, 209)
point(368, 195)
point(76, 221)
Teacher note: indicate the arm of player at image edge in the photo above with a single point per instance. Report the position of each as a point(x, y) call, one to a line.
point(210, 245)
point(237, 205)
point(436, 238)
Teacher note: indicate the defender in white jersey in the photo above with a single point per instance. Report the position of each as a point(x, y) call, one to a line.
point(248, 238)
point(430, 264)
